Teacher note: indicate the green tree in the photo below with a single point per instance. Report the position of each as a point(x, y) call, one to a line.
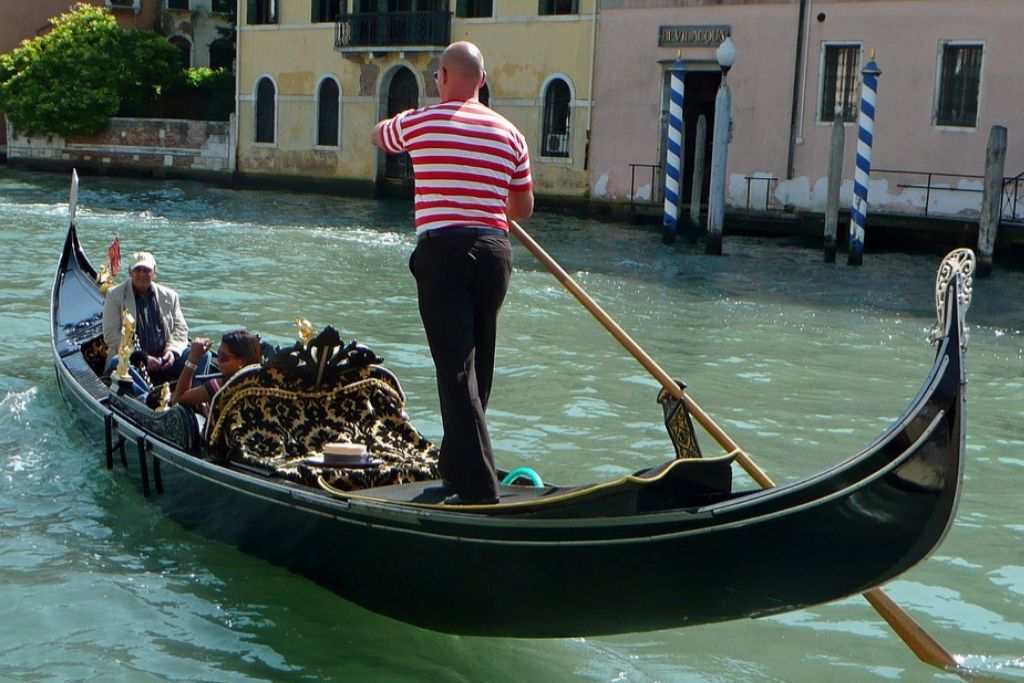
point(73, 79)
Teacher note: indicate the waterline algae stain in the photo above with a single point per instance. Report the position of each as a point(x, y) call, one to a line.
point(101, 585)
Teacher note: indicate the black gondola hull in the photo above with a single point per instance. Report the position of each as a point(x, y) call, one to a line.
point(850, 528)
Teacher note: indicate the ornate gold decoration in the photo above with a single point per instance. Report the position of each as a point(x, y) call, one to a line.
point(319, 397)
point(306, 331)
point(165, 397)
point(679, 425)
point(104, 280)
point(124, 351)
point(958, 265)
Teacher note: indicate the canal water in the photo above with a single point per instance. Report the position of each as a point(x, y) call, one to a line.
point(802, 363)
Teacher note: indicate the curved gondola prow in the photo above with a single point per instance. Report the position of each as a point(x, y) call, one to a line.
point(73, 263)
point(953, 289)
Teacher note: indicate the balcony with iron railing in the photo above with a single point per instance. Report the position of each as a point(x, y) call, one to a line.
point(406, 30)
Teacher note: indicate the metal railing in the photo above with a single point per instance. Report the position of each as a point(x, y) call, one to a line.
point(655, 176)
point(382, 29)
point(1013, 188)
point(768, 180)
point(1013, 197)
point(928, 186)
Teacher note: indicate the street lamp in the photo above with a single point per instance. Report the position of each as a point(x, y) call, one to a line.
point(726, 56)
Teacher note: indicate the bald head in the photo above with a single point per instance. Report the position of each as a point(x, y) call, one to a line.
point(462, 71)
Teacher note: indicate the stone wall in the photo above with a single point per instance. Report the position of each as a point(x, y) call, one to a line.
point(156, 147)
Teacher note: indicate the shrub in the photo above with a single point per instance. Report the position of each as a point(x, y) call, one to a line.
point(204, 93)
point(208, 80)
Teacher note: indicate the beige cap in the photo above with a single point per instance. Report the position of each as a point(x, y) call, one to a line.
point(143, 259)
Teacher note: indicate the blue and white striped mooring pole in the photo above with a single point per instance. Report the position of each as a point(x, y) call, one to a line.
point(862, 176)
point(674, 151)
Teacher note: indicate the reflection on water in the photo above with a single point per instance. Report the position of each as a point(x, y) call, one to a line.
point(800, 361)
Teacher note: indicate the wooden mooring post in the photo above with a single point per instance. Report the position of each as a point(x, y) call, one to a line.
point(698, 177)
point(835, 182)
point(991, 199)
point(719, 162)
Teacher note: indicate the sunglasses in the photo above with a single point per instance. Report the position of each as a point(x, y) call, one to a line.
point(221, 356)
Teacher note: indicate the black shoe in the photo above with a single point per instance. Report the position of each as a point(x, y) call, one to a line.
point(459, 500)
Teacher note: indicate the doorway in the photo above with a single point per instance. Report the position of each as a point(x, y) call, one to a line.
point(402, 93)
point(699, 90)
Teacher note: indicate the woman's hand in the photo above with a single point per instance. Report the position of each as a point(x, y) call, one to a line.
point(200, 345)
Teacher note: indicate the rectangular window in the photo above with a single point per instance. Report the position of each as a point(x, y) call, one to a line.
point(840, 77)
point(325, 11)
point(177, 4)
point(223, 6)
point(474, 8)
point(261, 12)
point(959, 83)
point(558, 7)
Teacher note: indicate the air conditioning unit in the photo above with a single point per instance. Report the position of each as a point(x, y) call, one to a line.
point(557, 143)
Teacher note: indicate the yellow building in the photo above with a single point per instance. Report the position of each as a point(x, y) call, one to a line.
point(314, 76)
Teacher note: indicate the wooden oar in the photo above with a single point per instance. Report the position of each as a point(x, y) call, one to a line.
point(917, 639)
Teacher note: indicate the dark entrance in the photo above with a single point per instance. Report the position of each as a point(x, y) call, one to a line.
point(699, 90)
point(699, 98)
point(403, 93)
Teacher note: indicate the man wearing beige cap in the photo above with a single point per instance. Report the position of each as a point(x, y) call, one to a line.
point(160, 326)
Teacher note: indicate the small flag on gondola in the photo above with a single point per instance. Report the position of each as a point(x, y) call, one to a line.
point(114, 256)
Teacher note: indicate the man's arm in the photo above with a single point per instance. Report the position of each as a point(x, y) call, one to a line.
point(519, 205)
point(395, 141)
point(376, 137)
point(178, 339)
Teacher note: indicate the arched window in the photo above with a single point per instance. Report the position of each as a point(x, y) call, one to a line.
point(555, 134)
point(184, 50)
point(222, 54)
point(328, 111)
point(265, 96)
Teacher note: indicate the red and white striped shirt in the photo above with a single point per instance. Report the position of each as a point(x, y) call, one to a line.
point(466, 159)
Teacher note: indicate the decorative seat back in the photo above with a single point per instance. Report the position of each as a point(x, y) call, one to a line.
point(312, 394)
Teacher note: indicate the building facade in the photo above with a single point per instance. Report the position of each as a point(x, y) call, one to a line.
point(196, 28)
point(314, 77)
point(950, 71)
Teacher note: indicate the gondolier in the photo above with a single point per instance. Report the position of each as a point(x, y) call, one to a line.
point(160, 325)
point(472, 174)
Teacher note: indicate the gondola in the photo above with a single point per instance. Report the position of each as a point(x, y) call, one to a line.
point(669, 546)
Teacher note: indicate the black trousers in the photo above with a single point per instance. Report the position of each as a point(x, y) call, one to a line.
point(461, 280)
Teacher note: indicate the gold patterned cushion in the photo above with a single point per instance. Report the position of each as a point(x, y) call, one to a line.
point(267, 418)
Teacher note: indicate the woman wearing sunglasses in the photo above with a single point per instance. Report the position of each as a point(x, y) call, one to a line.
point(237, 350)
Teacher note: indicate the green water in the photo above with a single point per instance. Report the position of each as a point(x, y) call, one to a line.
point(802, 363)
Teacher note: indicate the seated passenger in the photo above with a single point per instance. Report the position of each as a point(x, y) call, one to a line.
point(237, 350)
point(160, 326)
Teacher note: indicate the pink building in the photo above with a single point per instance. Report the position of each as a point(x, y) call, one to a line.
point(950, 71)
